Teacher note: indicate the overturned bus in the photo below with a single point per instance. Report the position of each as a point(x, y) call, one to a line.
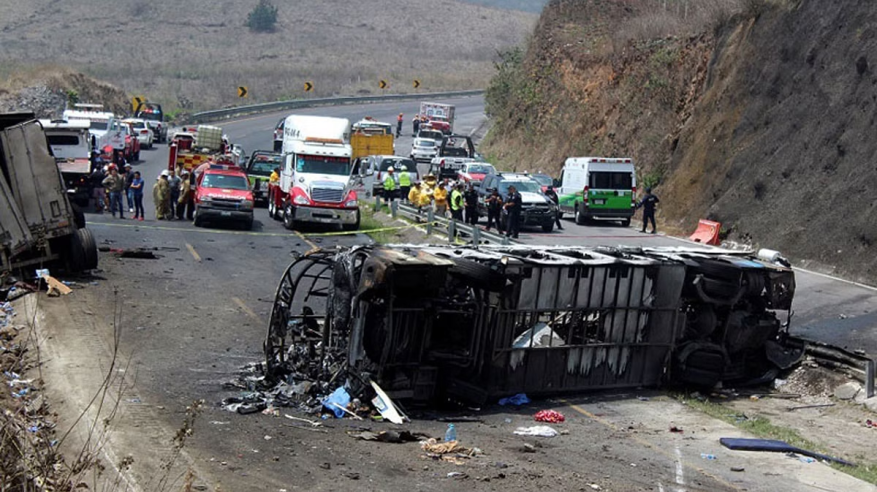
point(472, 324)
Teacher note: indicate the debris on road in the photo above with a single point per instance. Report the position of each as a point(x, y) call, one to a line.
point(516, 400)
point(536, 430)
point(743, 444)
point(677, 430)
point(550, 416)
point(450, 451)
point(390, 436)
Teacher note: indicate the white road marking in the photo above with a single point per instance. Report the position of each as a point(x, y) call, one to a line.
point(680, 472)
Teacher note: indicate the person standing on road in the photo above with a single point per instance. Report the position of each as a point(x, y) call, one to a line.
point(97, 186)
point(275, 176)
point(513, 205)
point(552, 195)
point(115, 184)
point(415, 123)
point(161, 194)
point(136, 191)
point(470, 198)
point(399, 121)
point(494, 209)
point(404, 183)
point(127, 174)
point(457, 203)
point(185, 201)
point(389, 187)
point(649, 203)
point(174, 185)
point(440, 196)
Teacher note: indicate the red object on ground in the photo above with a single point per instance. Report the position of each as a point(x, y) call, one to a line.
point(707, 232)
point(550, 416)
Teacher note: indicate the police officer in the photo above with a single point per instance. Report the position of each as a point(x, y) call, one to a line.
point(494, 209)
point(389, 186)
point(404, 182)
point(648, 204)
point(552, 195)
point(470, 198)
point(457, 202)
point(513, 205)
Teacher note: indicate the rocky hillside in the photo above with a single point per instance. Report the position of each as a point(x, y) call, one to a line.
point(753, 113)
point(46, 90)
point(194, 54)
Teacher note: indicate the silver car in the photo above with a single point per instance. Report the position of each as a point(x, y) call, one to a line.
point(423, 149)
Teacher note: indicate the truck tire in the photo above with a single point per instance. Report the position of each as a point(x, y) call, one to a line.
point(271, 208)
point(248, 224)
point(78, 215)
point(625, 223)
point(580, 217)
point(548, 227)
point(198, 221)
point(90, 248)
point(74, 256)
point(288, 217)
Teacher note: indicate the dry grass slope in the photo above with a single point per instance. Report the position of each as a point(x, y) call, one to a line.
point(196, 52)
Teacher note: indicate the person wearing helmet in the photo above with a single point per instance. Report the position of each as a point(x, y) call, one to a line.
point(389, 186)
point(648, 204)
point(161, 193)
point(404, 182)
point(399, 121)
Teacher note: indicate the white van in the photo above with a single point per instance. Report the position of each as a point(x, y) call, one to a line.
point(102, 124)
point(598, 187)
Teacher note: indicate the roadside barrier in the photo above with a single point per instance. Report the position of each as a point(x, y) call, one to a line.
point(707, 232)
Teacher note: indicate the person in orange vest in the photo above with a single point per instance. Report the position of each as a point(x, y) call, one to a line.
point(399, 121)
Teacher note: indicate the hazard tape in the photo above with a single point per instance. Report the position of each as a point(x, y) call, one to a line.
point(362, 231)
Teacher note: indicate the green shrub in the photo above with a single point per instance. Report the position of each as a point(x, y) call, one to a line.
point(72, 97)
point(263, 17)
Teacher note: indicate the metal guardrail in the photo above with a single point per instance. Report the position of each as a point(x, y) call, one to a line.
point(220, 114)
point(451, 228)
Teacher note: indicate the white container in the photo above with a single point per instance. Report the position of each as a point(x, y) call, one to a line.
point(769, 255)
point(209, 137)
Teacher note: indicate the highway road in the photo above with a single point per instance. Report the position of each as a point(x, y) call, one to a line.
point(199, 312)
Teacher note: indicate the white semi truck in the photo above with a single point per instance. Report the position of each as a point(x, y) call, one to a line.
point(314, 184)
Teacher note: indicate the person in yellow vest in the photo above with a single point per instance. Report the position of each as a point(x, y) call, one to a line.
point(440, 195)
point(404, 182)
point(389, 186)
point(457, 202)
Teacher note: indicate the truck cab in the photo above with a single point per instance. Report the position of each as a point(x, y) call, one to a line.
point(70, 143)
point(102, 125)
point(314, 182)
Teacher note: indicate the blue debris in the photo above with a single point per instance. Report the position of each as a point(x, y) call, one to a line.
point(339, 397)
point(517, 400)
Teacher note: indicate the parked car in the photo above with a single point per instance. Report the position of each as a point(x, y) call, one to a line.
point(430, 132)
point(537, 209)
point(151, 112)
point(144, 134)
point(475, 172)
point(278, 135)
point(259, 167)
point(423, 149)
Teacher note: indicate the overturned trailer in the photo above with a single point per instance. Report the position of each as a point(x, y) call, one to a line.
point(476, 323)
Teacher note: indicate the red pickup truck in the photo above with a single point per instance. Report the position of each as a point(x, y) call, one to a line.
point(223, 194)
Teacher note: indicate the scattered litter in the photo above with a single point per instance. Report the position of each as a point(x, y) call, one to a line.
point(742, 444)
point(462, 419)
point(528, 448)
point(737, 469)
point(537, 430)
point(806, 459)
point(517, 400)
point(352, 475)
point(710, 457)
point(134, 400)
point(456, 475)
point(390, 436)
point(337, 402)
point(299, 419)
point(677, 430)
point(217, 422)
point(870, 424)
point(802, 407)
point(508, 420)
point(385, 406)
point(594, 486)
point(56, 287)
point(550, 416)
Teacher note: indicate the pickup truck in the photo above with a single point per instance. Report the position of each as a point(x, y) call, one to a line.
point(223, 194)
point(453, 153)
point(38, 224)
point(70, 143)
point(258, 168)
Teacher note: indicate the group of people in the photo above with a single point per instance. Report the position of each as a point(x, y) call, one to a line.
point(112, 185)
point(417, 121)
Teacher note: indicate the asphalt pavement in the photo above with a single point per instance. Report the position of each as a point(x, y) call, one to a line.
point(200, 311)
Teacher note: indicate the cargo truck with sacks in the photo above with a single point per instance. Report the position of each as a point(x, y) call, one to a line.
point(195, 146)
point(39, 227)
point(314, 184)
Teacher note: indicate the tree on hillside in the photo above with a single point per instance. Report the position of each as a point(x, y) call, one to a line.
point(263, 17)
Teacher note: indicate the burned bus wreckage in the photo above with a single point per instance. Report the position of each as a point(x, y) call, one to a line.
point(473, 324)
